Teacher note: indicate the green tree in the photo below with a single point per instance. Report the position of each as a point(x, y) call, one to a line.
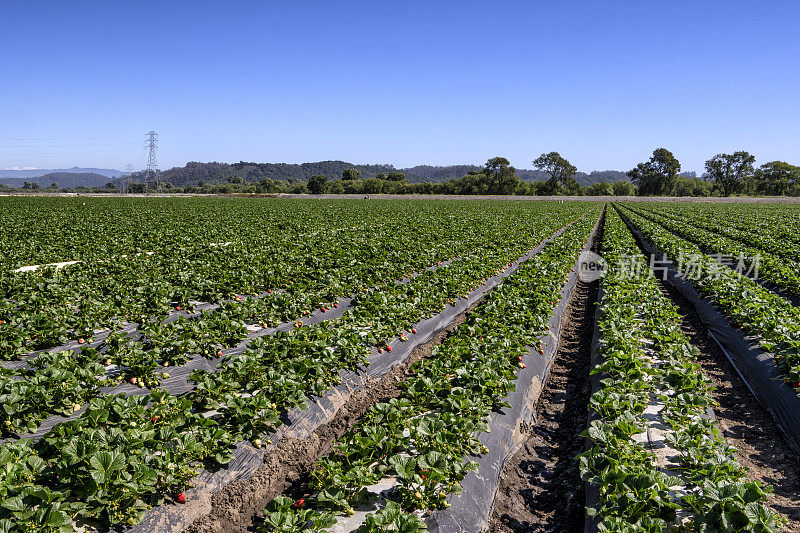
point(776, 178)
point(396, 176)
point(372, 186)
point(335, 187)
point(561, 172)
point(656, 177)
point(692, 186)
point(351, 174)
point(731, 172)
point(110, 186)
point(501, 176)
point(602, 188)
point(623, 188)
point(316, 183)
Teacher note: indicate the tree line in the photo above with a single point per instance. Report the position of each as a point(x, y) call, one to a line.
point(725, 175)
point(218, 173)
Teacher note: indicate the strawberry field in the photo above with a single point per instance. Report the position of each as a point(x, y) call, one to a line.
point(223, 364)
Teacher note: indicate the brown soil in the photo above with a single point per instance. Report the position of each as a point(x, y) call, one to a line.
point(745, 424)
point(288, 465)
point(540, 487)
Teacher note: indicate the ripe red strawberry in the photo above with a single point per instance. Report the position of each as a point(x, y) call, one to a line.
point(181, 498)
point(388, 348)
point(81, 341)
point(132, 380)
point(154, 419)
point(299, 503)
point(178, 308)
point(336, 305)
point(414, 331)
point(219, 353)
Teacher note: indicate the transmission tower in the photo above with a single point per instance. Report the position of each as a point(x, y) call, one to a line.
point(152, 161)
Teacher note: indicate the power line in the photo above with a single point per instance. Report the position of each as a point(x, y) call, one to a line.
point(129, 170)
point(66, 153)
point(69, 138)
point(60, 145)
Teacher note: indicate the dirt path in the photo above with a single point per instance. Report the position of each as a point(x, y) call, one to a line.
point(287, 467)
point(745, 424)
point(540, 488)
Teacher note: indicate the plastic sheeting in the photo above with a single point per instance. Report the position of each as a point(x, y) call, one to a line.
point(178, 382)
point(301, 423)
point(591, 491)
point(470, 510)
point(131, 329)
point(756, 367)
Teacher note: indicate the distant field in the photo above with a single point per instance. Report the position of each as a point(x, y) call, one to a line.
point(713, 199)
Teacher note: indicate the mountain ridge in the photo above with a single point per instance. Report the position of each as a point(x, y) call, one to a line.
point(23, 174)
point(217, 173)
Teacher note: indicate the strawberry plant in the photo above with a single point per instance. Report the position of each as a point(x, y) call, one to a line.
point(123, 455)
point(648, 363)
point(771, 318)
point(425, 436)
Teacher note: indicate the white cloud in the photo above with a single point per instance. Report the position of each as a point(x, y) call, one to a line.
point(21, 168)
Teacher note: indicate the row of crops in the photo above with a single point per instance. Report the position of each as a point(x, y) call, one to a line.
point(421, 441)
point(185, 330)
point(749, 304)
point(658, 461)
point(129, 444)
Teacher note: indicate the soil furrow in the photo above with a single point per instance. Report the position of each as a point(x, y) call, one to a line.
point(540, 488)
point(745, 423)
point(287, 467)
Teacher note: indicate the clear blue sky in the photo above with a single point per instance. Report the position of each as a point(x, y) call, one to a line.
point(406, 83)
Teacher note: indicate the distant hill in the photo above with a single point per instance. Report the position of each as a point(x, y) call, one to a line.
point(36, 173)
point(215, 173)
point(68, 180)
